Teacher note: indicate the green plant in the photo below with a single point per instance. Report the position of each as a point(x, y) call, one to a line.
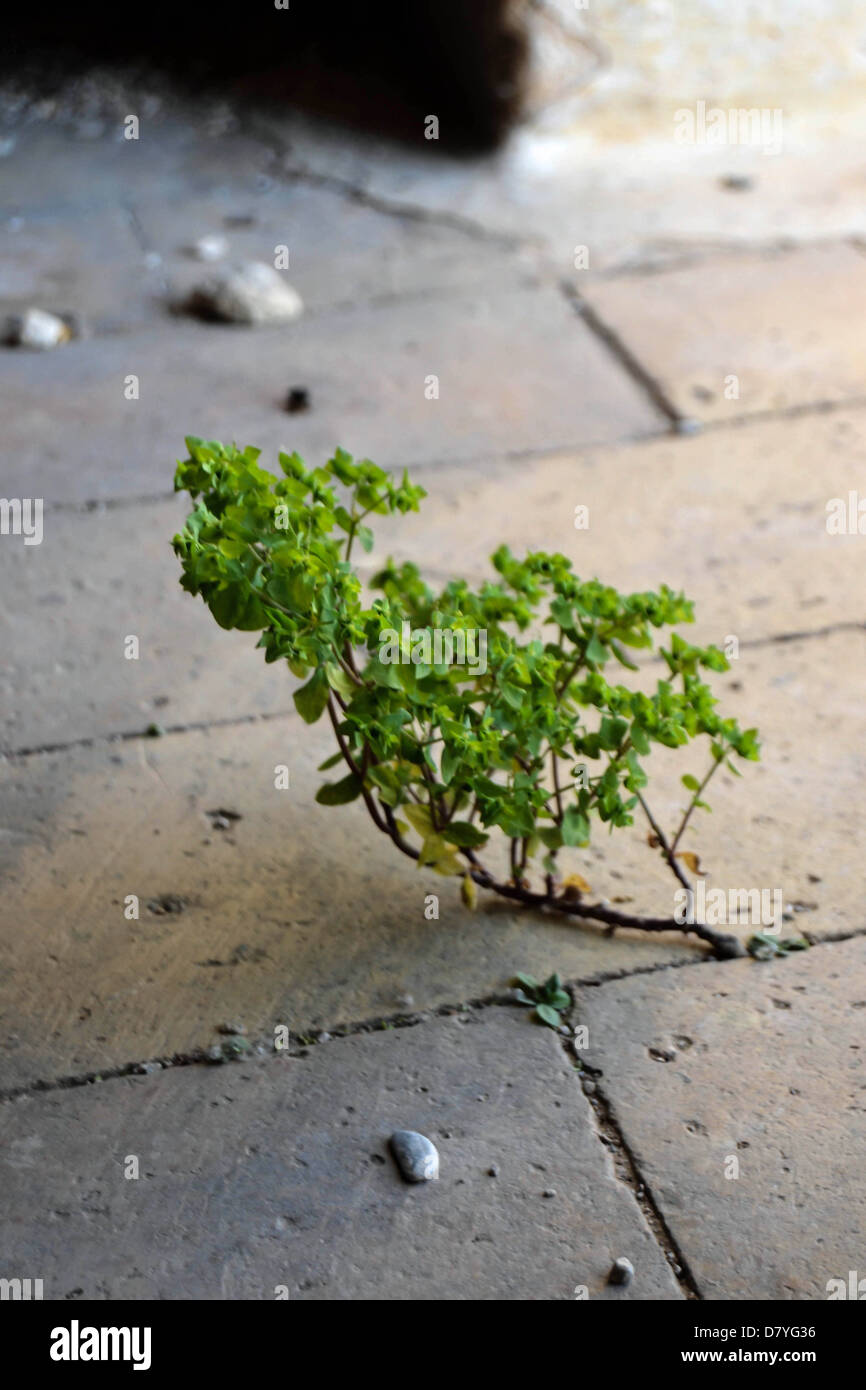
point(762, 946)
point(535, 742)
point(548, 999)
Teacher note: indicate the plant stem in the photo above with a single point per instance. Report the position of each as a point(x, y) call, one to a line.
point(693, 804)
point(662, 839)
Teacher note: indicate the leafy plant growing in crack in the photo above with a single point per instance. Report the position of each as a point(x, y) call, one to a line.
point(548, 999)
point(534, 742)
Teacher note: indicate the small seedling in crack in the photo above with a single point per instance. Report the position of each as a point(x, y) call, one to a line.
point(449, 726)
point(548, 999)
point(765, 947)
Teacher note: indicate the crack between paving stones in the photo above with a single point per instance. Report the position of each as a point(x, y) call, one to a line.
point(390, 207)
point(685, 425)
point(623, 355)
point(383, 1023)
point(507, 456)
point(687, 255)
point(627, 1171)
point(131, 735)
point(233, 721)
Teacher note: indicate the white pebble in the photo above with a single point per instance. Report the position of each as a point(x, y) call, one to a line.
point(210, 248)
point(251, 293)
point(38, 330)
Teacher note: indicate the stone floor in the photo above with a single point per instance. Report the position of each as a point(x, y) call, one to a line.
point(710, 1125)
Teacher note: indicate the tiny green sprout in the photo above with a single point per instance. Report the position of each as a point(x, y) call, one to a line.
point(762, 946)
point(466, 714)
point(548, 999)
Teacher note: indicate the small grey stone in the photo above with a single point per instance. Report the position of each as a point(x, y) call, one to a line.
point(215, 1054)
point(231, 1029)
point(493, 1170)
point(622, 1272)
point(323, 1037)
point(549, 1192)
point(416, 1157)
point(148, 1068)
point(250, 293)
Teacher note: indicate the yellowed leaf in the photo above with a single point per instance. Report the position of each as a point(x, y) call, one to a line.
point(468, 892)
point(691, 861)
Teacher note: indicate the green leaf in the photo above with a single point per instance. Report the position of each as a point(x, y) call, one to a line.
point(528, 981)
point(467, 836)
point(545, 1013)
point(338, 680)
point(312, 699)
point(339, 793)
point(419, 818)
point(575, 827)
point(597, 652)
point(691, 782)
point(330, 762)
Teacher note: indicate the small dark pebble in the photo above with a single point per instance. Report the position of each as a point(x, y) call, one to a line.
point(739, 183)
point(493, 1170)
point(165, 903)
point(297, 400)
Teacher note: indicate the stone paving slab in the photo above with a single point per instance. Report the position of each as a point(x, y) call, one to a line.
point(276, 1174)
point(785, 326)
point(738, 521)
point(54, 174)
point(87, 264)
point(789, 824)
point(765, 1070)
point(123, 256)
point(340, 252)
point(297, 913)
point(632, 195)
point(100, 577)
point(517, 370)
point(736, 518)
point(305, 915)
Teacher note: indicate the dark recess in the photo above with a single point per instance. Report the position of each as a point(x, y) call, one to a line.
point(383, 66)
